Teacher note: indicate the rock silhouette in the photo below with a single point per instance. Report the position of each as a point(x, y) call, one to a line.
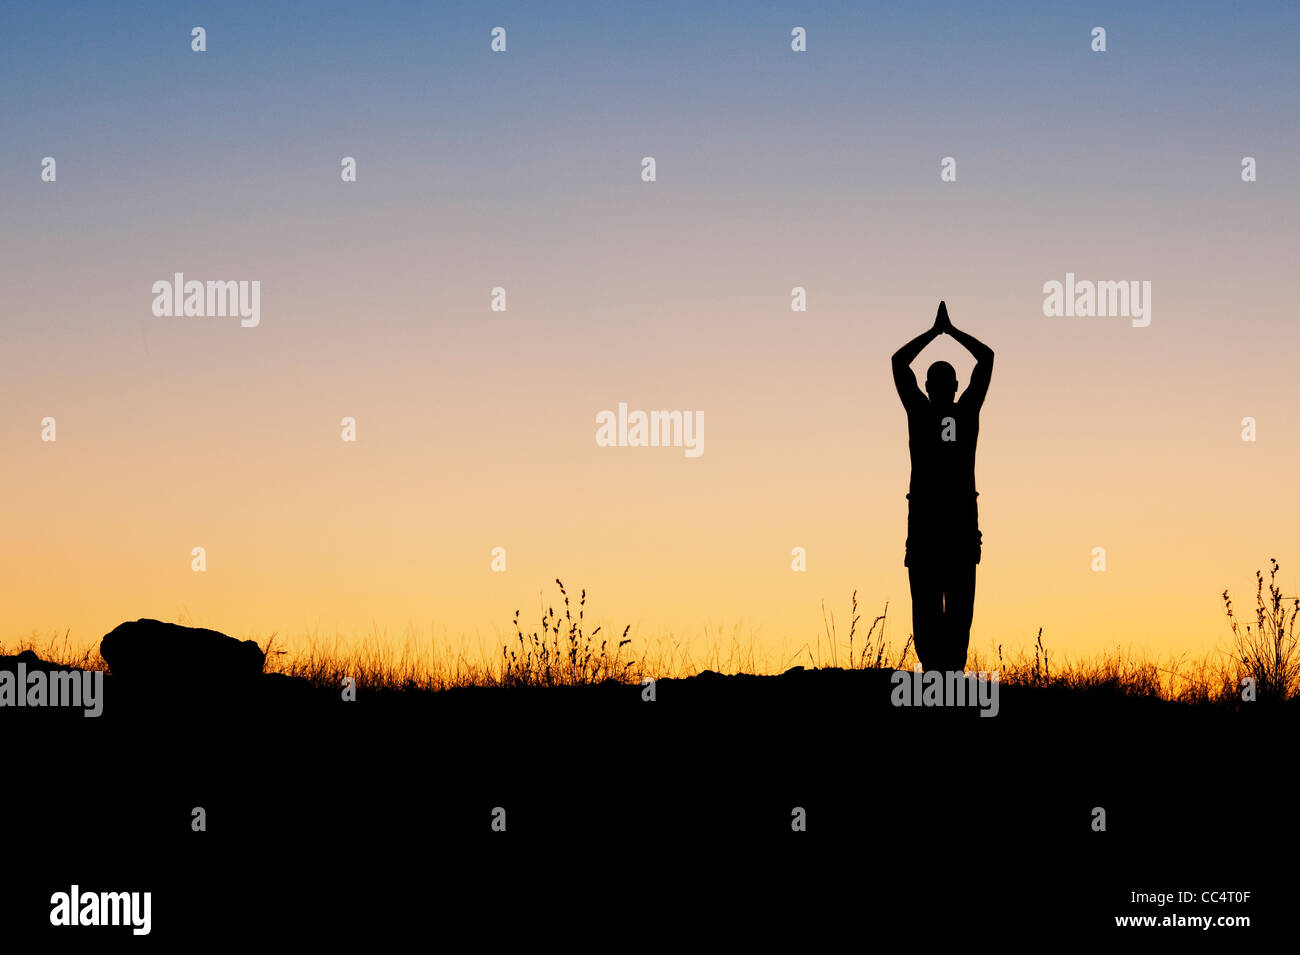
point(31, 663)
point(157, 658)
point(28, 658)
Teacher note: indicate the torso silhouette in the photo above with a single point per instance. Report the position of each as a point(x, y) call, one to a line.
point(943, 523)
point(942, 445)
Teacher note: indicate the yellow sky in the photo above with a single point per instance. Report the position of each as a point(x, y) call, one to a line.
point(477, 429)
point(805, 446)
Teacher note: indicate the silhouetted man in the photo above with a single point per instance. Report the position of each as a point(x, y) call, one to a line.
point(943, 536)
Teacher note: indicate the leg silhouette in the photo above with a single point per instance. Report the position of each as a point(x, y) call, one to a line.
point(927, 616)
point(943, 602)
point(958, 609)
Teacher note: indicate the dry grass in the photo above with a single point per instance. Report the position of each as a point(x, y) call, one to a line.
point(875, 648)
point(59, 649)
point(379, 663)
point(563, 653)
point(1267, 654)
point(1116, 672)
point(560, 652)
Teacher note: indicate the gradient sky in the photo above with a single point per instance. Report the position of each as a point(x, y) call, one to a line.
point(775, 169)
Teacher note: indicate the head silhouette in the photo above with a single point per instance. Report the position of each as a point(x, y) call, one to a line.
point(941, 383)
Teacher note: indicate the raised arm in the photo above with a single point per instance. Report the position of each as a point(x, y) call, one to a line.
point(904, 380)
point(979, 378)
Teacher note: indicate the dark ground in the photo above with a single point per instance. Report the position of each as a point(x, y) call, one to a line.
point(331, 817)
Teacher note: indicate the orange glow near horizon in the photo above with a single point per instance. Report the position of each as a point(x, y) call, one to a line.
point(476, 429)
